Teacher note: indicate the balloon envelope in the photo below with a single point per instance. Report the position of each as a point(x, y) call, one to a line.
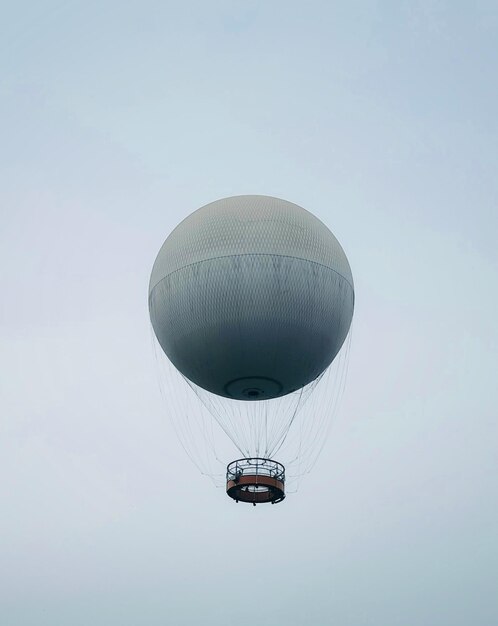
point(251, 297)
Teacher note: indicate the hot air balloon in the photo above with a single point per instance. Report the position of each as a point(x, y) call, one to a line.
point(251, 299)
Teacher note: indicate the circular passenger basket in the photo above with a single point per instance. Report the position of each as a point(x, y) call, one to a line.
point(256, 481)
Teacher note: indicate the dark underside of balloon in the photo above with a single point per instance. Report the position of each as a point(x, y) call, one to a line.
point(254, 327)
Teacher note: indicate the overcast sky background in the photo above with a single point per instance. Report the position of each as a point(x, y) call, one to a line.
point(117, 119)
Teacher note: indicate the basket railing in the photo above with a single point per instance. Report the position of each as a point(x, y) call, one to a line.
point(255, 466)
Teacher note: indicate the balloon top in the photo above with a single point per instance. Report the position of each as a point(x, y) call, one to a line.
point(249, 224)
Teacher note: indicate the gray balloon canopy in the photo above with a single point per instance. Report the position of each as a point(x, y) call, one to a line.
point(251, 297)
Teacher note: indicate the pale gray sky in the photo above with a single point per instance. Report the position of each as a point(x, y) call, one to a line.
point(117, 119)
